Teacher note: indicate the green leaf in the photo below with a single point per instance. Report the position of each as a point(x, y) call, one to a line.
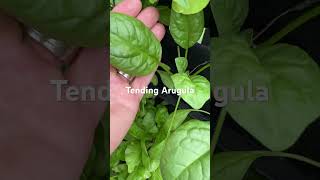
point(146, 161)
point(165, 13)
point(141, 173)
point(161, 116)
point(156, 175)
point(137, 132)
point(155, 155)
point(67, 21)
point(154, 80)
point(179, 118)
point(166, 79)
point(200, 86)
point(233, 165)
point(229, 15)
point(189, 6)
point(134, 48)
point(118, 155)
point(148, 122)
point(187, 153)
point(278, 85)
point(186, 30)
point(182, 64)
point(133, 155)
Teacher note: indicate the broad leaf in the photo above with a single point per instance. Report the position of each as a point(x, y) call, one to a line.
point(233, 165)
point(199, 85)
point(187, 153)
point(229, 15)
point(156, 175)
point(189, 6)
point(186, 29)
point(134, 48)
point(133, 155)
point(182, 64)
point(276, 90)
point(179, 117)
point(67, 21)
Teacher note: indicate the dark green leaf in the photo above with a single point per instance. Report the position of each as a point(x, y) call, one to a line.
point(279, 89)
point(229, 15)
point(186, 30)
point(233, 165)
point(165, 12)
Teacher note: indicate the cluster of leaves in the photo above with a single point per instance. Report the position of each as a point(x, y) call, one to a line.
point(162, 145)
point(288, 72)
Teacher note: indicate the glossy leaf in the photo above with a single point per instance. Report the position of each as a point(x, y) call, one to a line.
point(182, 64)
point(229, 15)
point(67, 21)
point(200, 86)
point(186, 30)
point(189, 6)
point(134, 48)
point(278, 85)
point(186, 155)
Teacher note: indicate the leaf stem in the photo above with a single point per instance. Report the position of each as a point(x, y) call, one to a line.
point(293, 25)
point(202, 69)
point(164, 67)
point(178, 49)
point(199, 110)
point(174, 114)
point(217, 130)
point(294, 156)
point(186, 53)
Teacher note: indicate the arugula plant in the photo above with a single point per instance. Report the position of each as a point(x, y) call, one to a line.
point(290, 74)
point(161, 144)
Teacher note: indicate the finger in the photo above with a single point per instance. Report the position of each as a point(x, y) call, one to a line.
point(149, 16)
point(142, 82)
point(159, 31)
point(128, 7)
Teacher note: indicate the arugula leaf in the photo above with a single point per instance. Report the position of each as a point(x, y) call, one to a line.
point(285, 74)
point(199, 84)
point(229, 15)
point(189, 6)
point(182, 64)
point(133, 155)
point(186, 30)
point(156, 175)
point(134, 49)
point(166, 79)
point(165, 13)
point(180, 159)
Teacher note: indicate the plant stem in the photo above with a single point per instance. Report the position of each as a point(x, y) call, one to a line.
point(217, 130)
point(293, 25)
point(186, 53)
point(178, 49)
point(199, 110)
point(202, 69)
point(296, 157)
point(174, 114)
point(164, 67)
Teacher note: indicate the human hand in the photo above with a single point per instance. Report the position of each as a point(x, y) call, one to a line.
point(41, 138)
point(123, 105)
